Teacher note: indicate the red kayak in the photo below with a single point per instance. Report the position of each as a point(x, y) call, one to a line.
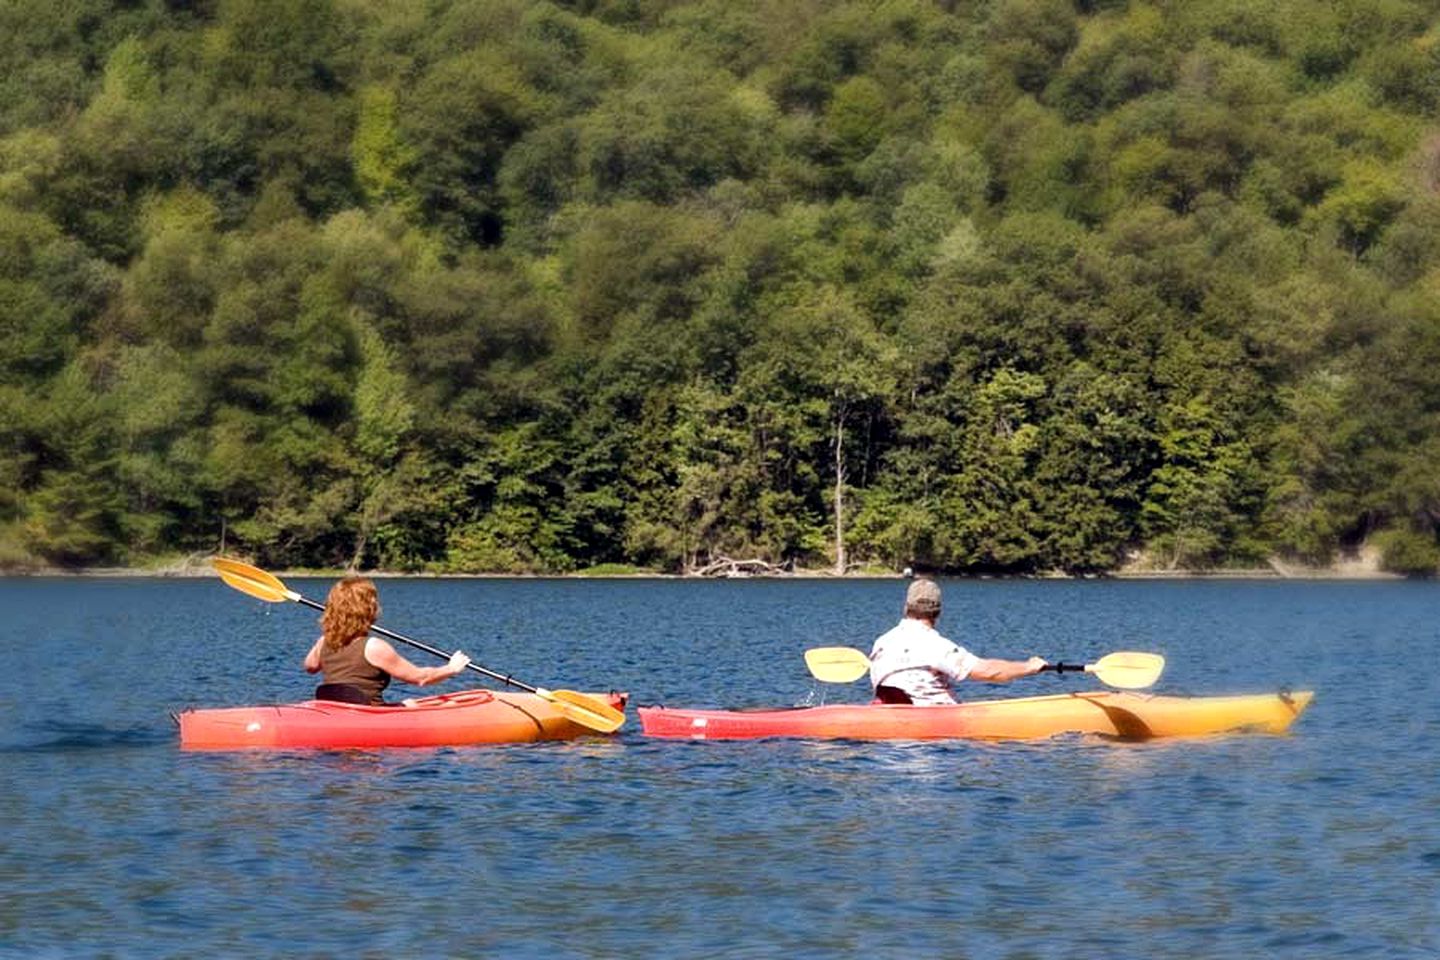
point(1128, 715)
point(452, 719)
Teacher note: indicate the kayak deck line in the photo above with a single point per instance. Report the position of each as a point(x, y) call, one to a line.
point(1115, 714)
point(539, 724)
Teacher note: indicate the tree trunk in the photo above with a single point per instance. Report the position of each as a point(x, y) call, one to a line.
point(362, 540)
point(840, 495)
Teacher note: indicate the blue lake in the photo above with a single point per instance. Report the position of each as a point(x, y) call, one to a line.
point(1323, 843)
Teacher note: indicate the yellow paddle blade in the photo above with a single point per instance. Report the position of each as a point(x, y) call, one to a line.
point(836, 664)
point(585, 710)
point(252, 580)
point(1128, 670)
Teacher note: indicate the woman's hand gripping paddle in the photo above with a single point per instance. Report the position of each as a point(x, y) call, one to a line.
point(582, 709)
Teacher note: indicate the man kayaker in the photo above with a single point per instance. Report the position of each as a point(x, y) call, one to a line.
point(913, 663)
point(357, 666)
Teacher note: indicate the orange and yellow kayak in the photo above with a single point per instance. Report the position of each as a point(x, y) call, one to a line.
point(453, 719)
point(1127, 715)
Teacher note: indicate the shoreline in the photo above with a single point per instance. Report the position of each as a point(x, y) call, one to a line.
point(1277, 572)
point(1354, 576)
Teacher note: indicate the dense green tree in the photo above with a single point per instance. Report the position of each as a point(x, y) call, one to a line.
point(461, 117)
point(522, 285)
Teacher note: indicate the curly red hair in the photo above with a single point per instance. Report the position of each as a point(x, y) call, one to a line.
point(353, 605)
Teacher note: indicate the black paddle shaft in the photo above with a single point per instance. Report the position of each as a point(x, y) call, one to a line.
point(508, 681)
point(1062, 667)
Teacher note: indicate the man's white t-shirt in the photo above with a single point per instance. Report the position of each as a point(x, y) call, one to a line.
point(915, 658)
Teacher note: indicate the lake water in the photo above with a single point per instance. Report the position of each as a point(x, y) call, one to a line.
point(1323, 843)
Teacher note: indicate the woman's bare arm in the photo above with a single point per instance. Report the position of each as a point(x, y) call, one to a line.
point(380, 654)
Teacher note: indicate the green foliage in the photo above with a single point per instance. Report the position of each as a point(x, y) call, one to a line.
point(462, 116)
point(1119, 56)
point(677, 130)
point(613, 570)
point(1362, 206)
point(1029, 39)
point(384, 163)
point(72, 513)
point(1409, 552)
point(518, 286)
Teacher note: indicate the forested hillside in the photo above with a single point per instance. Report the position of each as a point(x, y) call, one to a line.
point(514, 285)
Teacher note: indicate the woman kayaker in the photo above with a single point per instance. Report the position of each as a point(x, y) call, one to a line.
point(913, 663)
point(357, 666)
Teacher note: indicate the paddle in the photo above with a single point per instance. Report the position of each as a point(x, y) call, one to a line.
point(1126, 670)
point(584, 710)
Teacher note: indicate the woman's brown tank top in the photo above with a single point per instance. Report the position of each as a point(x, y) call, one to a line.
point(348, 665)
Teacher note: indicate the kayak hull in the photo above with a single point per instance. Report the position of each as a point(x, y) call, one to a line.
point(1126, 715)
point(463, 718)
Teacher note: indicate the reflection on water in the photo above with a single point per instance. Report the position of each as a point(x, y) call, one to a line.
point(1323, 843)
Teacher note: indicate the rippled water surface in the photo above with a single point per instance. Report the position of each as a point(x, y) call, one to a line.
point(1324, 843)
